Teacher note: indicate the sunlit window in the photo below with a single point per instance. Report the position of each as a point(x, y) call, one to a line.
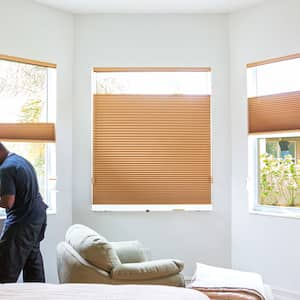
point(279, 171)
point(274, 78)
point(27, 95)
point(153, 83)
point(274, 151)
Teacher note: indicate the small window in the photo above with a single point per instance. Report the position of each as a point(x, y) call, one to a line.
point(27, 96)
point(279, 171)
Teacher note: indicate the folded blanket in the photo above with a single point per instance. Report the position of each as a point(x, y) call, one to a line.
point(227, 284)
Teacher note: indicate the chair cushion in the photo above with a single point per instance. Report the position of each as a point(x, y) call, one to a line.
point(147, 270)
point(130, 251)
point(93, 247)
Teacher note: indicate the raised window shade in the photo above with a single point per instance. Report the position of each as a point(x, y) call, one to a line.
point(151, 149)
point(274, 95)
point(27, 132)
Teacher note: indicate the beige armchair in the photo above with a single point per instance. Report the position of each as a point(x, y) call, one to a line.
point(87, 257)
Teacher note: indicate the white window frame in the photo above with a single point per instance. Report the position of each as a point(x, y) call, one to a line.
point(50, 153)
point(151, 207)
point(253, 180)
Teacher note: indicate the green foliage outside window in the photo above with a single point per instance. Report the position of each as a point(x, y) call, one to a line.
point(279, 181)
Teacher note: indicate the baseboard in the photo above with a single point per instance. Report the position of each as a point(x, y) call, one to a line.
point(282, 294)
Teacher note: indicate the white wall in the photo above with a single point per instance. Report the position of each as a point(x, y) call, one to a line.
point(156, 40)
point(269, 245)
point(32, 31)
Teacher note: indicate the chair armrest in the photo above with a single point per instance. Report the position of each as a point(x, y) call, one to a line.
point(129, 251)
point(147, 270)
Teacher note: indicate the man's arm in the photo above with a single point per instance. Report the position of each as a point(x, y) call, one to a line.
point(7, 201)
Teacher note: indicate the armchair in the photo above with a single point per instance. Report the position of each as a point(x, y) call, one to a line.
point(87, 257)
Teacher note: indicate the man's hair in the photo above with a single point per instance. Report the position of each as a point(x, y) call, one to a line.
point(2, 147)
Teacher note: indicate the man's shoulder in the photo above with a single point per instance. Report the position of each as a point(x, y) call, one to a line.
point(11, 163)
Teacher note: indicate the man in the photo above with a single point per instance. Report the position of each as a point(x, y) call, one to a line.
point(25, 223)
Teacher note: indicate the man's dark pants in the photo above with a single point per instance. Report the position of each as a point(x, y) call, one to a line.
point(20, 250)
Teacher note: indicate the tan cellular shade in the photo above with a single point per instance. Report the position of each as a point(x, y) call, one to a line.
point(151, 150)
point(27, 132)
point(280, 112)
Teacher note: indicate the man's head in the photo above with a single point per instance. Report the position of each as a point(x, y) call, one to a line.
point(3, 153)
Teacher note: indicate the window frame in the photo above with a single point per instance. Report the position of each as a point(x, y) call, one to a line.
point(149, 207)
point(50, 154)
point(253, 179)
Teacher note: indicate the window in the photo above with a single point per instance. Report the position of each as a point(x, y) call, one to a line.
point(151, 138)
point(151, 83)
point(274, 140)
point(27, 117)
point(279, 168)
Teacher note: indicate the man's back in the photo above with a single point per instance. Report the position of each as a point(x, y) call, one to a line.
point(18, 177)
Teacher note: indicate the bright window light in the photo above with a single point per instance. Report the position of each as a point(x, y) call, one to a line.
point(274, 78)
point(153, 83)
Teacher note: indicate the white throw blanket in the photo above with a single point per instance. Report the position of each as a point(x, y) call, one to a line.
point(213, 279)
point(37, 291)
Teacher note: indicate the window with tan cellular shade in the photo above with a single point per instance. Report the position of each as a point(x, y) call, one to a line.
point(27, 132)
point(274, 95)
point(279, 112)
point(151, 149)
point(27, 100)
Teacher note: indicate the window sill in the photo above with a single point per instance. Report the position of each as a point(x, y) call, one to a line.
point(148, 208)
point(274, 211)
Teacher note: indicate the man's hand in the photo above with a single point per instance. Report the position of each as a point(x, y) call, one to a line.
point(7, 201)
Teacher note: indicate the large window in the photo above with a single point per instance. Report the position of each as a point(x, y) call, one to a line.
point(274, 141)
point(27, 117)
point(151, 138)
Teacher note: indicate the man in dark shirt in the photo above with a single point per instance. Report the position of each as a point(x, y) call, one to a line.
point(25, 223)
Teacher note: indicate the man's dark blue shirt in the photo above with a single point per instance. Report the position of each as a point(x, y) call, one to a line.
point(18, 177)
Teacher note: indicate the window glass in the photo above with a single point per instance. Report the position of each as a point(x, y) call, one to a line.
point(183, 83)
point(23, 93)
point(279, 171)
point(274, 78)
point(42, 157)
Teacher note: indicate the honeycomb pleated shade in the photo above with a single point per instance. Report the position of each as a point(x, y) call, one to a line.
point(27, 132)
point(151, 149)
point(280, 112)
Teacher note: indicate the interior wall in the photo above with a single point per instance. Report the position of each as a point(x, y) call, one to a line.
point(264, 244)
point(32, 31)
point(156, 41)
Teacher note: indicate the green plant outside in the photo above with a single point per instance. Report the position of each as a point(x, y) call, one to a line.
point(279, 181)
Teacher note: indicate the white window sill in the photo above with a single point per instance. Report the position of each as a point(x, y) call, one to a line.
point(275, 211)
point(148, 208)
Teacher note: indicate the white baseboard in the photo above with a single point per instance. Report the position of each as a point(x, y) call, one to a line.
point(282, 294)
